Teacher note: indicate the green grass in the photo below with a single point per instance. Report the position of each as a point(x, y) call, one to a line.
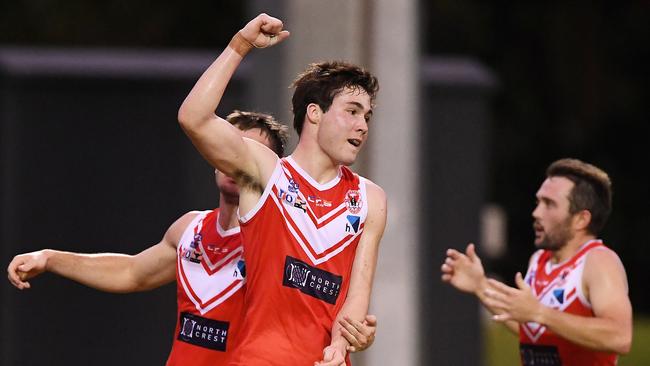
point(501, 346)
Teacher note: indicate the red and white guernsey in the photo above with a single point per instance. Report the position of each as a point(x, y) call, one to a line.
point(559, 286)
point(210, 278)
point(300, 241)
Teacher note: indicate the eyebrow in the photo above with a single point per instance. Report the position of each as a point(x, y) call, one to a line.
point(360, 106)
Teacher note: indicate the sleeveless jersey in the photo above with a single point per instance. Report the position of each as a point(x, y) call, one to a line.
point(210, 278)
point(559, 287)
point(300, 242)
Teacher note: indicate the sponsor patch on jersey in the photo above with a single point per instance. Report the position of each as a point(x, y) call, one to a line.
point(353, 223)
point(353, 201)
point(312, 281)
point(559, 295)
point(319, 202)
point(534, 355)
point(202, 332)
point(293, 187)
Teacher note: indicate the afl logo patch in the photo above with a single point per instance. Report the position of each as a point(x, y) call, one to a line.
point(353, 201)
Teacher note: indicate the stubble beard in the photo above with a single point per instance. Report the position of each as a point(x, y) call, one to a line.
point(558, 238)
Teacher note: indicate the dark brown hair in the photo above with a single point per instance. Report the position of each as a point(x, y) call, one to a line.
point(276, 131)
point(322, 81)
point(592, 190)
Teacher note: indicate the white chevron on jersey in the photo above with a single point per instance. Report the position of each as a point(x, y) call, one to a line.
point(320, 238)
point(208, 285)
point(559, 293)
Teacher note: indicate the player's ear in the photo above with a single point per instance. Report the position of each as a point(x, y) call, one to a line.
point(582, 219)
point(314, 113)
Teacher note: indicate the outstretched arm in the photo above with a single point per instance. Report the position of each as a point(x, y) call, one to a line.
point(363, 271)
point(604, 284)
point(108, 272)
point(465, 272)
point(218, 141)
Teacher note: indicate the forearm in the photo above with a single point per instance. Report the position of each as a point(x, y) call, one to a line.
point(355, 308)
point(596, 333)
point(106, 272)
point(205, 96)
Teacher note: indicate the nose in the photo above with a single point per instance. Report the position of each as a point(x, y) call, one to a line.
point(362, 126)
point(535, 212)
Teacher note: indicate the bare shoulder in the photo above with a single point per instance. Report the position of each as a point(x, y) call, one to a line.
point(376, 194)
point(175, 231)
point(603, 266)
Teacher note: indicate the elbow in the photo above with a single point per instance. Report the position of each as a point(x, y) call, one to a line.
point(185, 118)
point(620, 344)
point(624, 345)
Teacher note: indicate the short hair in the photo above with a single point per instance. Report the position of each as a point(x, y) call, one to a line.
point(276, 131)
point(592, 190)
point(322, 81)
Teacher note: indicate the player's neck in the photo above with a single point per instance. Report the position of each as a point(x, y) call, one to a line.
point(315, 162)
point(227, 214)
point(572, 247)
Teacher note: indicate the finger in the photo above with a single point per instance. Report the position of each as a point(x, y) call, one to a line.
point(270, 25)
point(495, 299)
point(451, 262)
point(446, 277)
point(357, 325)
point(453, 253)
point(501, 318)
point(519, 280)
point(371, 320)
point(501, 287)
point(354, 339)
point(471, 252)
point(26, 266)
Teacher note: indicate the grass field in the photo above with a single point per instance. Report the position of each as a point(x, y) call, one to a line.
point(501, 346)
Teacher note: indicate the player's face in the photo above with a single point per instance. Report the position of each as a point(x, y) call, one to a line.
point(344, 127)
point(227, 186)
point(552, 220)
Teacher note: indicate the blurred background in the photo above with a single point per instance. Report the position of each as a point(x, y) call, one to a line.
point(477, 98)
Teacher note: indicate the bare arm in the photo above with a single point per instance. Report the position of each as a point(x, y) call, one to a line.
point(363, 271)
point(605, 284)
point(465, 272)
point(108, 272)
point(218, 141)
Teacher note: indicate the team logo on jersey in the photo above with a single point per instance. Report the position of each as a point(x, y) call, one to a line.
point(318, 202)
point(353, 201)
point(202, 332)
point(353, 223)
point(193, 253)
point(312, 281)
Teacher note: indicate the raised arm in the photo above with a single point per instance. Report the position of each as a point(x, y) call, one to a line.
point(465, 272)
point(605, 286)
point(218, 141)
point(363, 271)
point(110, 272)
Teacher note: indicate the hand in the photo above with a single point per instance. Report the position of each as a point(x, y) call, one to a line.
point(264, 31)
point(26, 266)
point(333, 355)
point(360, 335)
point(518, 304)
point(464, 271)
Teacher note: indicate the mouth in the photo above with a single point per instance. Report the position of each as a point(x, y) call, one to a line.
point(539, 229)
point(355, 142)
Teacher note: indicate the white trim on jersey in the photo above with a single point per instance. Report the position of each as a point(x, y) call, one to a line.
point(312, 181)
